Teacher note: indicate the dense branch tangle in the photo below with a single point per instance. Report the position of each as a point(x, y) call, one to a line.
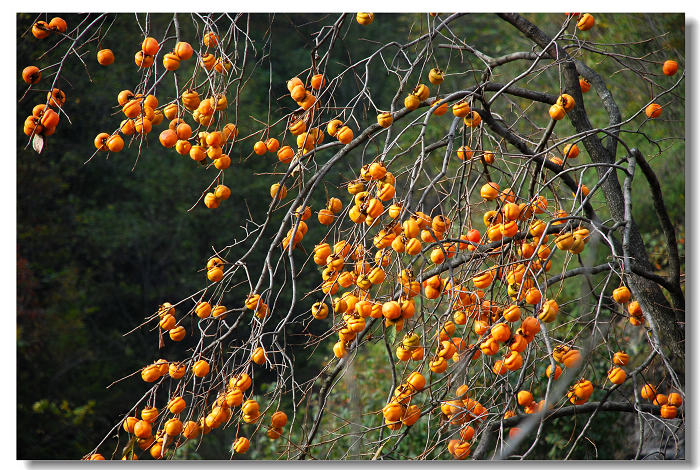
point(457, 244)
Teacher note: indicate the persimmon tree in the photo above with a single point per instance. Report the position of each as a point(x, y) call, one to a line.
point(480, 237)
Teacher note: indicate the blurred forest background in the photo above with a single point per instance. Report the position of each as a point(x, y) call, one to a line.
point(101, 245)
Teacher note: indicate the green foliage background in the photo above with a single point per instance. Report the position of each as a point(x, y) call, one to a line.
point(101, 245)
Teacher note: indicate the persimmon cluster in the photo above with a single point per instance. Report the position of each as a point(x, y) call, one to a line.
point(449, 292)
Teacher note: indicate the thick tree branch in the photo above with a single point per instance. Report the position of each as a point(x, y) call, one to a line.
point(647, 293)
point(668, 230)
